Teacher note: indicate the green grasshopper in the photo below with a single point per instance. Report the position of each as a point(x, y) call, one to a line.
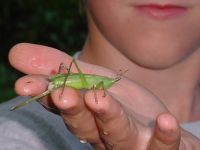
point(76, 81)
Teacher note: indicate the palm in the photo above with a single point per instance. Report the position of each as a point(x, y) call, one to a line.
point(134, 97)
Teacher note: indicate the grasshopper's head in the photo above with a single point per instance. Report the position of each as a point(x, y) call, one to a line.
point(117, 79)
point(119, 75)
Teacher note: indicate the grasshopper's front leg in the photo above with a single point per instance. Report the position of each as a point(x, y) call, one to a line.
point(99, 86)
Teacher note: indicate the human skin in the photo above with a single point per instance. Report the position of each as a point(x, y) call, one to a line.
point(160, 80)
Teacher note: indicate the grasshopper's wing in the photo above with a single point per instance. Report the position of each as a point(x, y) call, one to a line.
point(81, 75)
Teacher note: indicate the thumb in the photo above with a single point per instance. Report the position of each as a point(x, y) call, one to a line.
point(166, 134)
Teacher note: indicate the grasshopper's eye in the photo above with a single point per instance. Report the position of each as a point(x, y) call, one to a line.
point(117, 79)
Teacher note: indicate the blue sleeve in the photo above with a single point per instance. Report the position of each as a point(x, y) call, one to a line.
point(34, 128)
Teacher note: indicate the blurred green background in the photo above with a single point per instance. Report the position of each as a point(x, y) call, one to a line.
point(59, 24)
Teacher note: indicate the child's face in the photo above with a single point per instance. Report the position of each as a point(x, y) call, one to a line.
point(151, 35)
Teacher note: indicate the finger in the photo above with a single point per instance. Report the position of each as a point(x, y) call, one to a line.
point(31, 85)
point(76, 116)
point(167, 133)
point(34, 59)
point(116, 129)
point(38, 59)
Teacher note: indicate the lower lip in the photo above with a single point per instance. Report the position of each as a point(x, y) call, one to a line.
point(161, 12)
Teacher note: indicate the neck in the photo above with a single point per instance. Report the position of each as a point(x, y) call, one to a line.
point(176, 86)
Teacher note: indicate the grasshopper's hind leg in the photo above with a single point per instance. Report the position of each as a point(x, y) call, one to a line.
point(30, 100)
point(82, 77)
point(63, 66)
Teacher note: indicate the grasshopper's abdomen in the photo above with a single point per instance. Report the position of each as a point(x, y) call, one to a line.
point(77, 82)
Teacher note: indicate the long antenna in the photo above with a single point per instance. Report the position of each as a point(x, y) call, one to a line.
point(119, 75)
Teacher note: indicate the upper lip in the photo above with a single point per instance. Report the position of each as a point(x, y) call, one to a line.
point(165, 6)
point(162, 4)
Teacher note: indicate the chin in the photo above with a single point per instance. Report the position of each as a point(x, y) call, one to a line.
point(160, 53)
point(160, 58)
point(156, 65)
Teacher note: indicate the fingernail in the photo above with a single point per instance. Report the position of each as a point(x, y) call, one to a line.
point(163, 130)
point(83, 141)
point(105, 132)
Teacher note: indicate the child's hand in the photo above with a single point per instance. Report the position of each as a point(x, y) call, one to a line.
point(128, 117)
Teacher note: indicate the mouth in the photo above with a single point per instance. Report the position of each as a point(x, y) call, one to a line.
point(161, 12)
